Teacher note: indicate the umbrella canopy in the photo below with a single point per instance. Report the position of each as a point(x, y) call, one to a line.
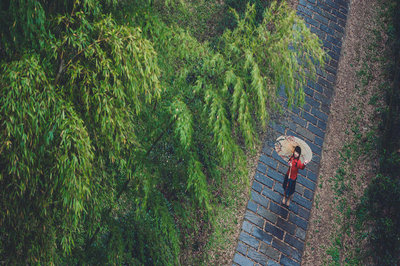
point(285, 145)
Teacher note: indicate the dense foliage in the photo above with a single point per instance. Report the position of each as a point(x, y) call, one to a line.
point(117, 125)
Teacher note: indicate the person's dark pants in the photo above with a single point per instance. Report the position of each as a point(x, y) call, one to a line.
point(289, 186)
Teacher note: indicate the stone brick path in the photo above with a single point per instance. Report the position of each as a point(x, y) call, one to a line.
point(272, 234)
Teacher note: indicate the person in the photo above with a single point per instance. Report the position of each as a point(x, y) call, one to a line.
point(289, 183)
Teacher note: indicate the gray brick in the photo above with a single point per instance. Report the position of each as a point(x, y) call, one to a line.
point(263, 179)
point(310, 118)
point(254, 218)
point(311, 84)
point(300, 222)
point(304, 213)
point(318, 32)
point(325, 7)
point(303, 2)
point(242, 248)
point(334, 41)
point(249, 240)
point(320, 19)
point(316, 130)
point(311, 21)
point(308, 194)
point(315, 149)
point(299, 187)
point(319, 88)
point(267, 150)
point(288, 262)
point(316, 158)
point(241, 260)
point(312, 176)
point(327, 29)
point(269, 251)
point(327, 45)
point(292, 133)
point(333, 63)
point(282, 169)
point(307, 107)
point(277, 127)
point(273, 263)
point(300, 233)
point(324, 82)
point(305, 182)
point(312, 166)
point(286, 249)
point(305, 133)
point(330, 69)
point(343, 3)
point(293, 207)
point(315, 8)
point(252, 206)
point(259, 199)
point(247, 227)
point(332, 4)
point(292, 125)
point(278, 188)
point(333, 55)
point(278, 158)
point(260, 234)
point(309, 91)
point(322, 125)
point(325, 107)
point(302, 9)
point(319, 114)
point(294, 242)
point(268, 161)
point(281, 211)
point(341, 23)
point(267, 215)
point(312, 102)
point(302, 201)
point(321, 72)
point(273, 230)
point(257, 186)
point(286, 226)
point(321, 98)
point(343, 10)
point(256, 256)
point(336, 27)
point(272, 195)
point(262, 168)
point(275, 175)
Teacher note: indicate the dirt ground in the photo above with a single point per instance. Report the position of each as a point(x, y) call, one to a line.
point(360, 21)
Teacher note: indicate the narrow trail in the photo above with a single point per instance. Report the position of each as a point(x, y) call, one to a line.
point(272, 234)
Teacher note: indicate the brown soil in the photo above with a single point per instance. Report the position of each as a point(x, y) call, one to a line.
point(347, 100)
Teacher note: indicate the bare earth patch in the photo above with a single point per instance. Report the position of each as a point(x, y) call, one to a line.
point(349, 100)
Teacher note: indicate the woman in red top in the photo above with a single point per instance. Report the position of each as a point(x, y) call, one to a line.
point(289, 183)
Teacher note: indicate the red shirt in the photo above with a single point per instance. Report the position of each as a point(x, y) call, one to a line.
point(296, 164)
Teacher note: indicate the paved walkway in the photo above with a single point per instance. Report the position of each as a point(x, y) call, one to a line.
point(272, 234)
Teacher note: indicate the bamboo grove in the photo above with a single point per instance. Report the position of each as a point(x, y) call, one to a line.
point(118, 126)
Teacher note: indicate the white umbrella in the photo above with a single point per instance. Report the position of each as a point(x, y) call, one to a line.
point(285, 145)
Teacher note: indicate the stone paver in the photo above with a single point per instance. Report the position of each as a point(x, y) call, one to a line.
point(272, 234)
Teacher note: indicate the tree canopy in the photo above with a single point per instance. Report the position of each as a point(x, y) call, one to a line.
point(118, 125)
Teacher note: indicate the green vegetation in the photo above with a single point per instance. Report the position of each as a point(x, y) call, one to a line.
point(122, 132)
point(379, 210)
point(374, 223)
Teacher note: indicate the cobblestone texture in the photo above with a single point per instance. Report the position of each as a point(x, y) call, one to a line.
point(272, 234)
